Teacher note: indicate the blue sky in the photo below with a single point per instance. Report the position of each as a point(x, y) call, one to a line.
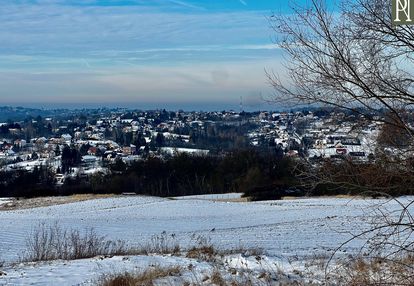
point(163, 53)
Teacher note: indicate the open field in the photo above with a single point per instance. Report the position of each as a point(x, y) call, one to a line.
point(15, 204)
point(289, 230)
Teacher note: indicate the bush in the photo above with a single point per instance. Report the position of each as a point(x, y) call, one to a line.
point(52, 243)
point(272, 192)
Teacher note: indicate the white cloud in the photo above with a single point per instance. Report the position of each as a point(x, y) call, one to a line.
point(57, 29)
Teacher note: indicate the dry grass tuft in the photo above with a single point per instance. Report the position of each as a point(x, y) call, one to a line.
point(146, 278)
point(376, 271)
point(203, 249)
point(246, 251)
point(205, 253)
point(162, 244)
point(217, 279)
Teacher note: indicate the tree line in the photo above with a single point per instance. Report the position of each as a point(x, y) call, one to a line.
point(244, 171)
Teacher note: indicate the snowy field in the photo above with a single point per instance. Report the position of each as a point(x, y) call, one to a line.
point(214, 197)
point(293, 228)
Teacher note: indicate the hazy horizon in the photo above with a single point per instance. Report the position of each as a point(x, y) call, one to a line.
point(207, 107)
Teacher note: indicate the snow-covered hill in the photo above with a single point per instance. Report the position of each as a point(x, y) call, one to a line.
point(292, 228)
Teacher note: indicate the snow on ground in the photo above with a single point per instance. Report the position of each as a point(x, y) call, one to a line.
point(290, 228)
point(213, 197)
point(88, 271)
point(4, 201)
point(171, 150)
point(27, 165)
point(282, 228)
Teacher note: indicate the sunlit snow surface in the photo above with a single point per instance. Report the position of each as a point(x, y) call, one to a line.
point(302, 227)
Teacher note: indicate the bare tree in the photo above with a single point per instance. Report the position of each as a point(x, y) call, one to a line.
point(347, 54)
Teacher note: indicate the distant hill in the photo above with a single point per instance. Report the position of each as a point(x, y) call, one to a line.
point(20, 113)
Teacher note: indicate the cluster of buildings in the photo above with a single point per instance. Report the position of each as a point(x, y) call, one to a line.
point(318, 137)
point(103, 137)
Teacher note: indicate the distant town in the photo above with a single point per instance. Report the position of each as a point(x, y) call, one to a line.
point(82, 143)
